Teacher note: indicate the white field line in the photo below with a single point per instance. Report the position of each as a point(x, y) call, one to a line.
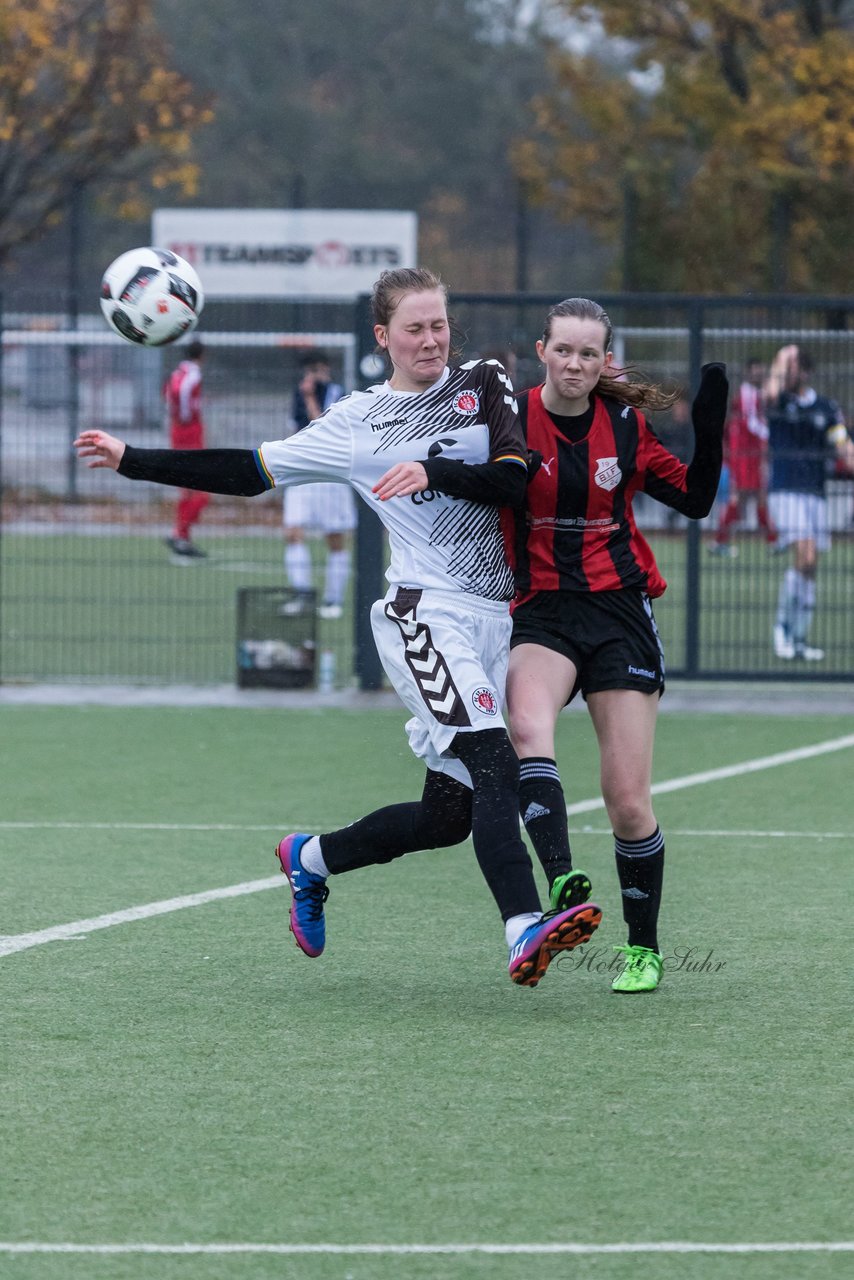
point(145, 826)
point(731, 770)
point(658, 1246)
point(700, 833)
point(78, 928)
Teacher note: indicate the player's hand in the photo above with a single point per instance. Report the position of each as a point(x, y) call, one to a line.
point(401, 480)
point(708, 412)
point(103, 449)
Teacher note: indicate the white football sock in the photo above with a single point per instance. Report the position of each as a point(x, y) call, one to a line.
point(298, 565)
point(312, 859)
point(337, 573)
point(516, 926)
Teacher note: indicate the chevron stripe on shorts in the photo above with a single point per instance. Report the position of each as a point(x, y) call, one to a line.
point(426, 663)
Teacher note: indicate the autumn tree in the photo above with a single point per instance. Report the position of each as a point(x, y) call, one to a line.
point(86, 90)
point(714, 139)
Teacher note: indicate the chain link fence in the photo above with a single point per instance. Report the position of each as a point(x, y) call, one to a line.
point(88, 591)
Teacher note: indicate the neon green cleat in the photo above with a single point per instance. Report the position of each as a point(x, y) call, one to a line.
point(569, 890)
point(641, 971)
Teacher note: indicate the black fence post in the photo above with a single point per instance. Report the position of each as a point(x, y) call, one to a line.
point(369, 532)
point(693, 570)
point(2, 398)
point(75, 219)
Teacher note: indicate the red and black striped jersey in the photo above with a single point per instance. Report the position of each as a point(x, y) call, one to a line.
point(577, 531)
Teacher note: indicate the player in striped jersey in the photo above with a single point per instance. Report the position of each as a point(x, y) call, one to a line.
point(582, 618)
point(442, 630)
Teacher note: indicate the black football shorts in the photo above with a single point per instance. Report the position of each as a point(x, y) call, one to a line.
point(609, 636)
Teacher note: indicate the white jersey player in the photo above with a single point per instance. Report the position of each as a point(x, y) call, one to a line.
point(442, 629)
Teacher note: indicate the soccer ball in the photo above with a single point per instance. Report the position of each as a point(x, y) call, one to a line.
point(151, 296)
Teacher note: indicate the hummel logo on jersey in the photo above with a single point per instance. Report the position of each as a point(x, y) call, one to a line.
point(533, 811)
point(390, 422)
point(608, 474)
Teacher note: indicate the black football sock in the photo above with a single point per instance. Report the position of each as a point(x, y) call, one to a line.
point(640, 868)
point(542, 805)
point(499, 848)
point(440, 818)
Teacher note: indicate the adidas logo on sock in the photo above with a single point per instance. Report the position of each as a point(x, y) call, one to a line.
point(535, 811)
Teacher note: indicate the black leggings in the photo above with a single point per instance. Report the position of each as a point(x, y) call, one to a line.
point(445, 815)
point(440, 818)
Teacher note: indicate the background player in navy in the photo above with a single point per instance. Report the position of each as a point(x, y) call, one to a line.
point(328, 509)
point(804, 428)
point(442, 630)
point(582, 618)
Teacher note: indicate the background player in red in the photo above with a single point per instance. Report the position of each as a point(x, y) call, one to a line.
point(582, 617)
point(746, 457)
point(183, 394)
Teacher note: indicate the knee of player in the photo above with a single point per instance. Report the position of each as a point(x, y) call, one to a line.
point(451, 830)
point(630, 815)
point(526, 732)
point(490, 758)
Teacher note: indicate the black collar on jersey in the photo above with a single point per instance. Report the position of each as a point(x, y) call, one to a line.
point(574, 426)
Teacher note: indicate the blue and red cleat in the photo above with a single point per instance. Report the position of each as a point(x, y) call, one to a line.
point(308, 894)
point(557, 931)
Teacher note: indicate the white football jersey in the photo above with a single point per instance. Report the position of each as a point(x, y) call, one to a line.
point(436, 541)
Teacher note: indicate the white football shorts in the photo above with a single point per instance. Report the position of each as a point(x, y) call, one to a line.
point(446, 655)
point(320, 508)
point(800, 517)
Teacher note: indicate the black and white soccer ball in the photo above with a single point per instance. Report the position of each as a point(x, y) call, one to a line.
point(151, 296)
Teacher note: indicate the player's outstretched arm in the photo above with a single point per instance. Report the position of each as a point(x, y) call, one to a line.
point(229, 471)
point(103, 450)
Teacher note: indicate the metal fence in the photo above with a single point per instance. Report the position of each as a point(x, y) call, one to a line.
point(88, 591)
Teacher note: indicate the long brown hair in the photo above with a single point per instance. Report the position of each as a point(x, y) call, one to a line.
point(640, 395)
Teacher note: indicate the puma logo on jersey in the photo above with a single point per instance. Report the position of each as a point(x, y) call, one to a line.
point(547, 466)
